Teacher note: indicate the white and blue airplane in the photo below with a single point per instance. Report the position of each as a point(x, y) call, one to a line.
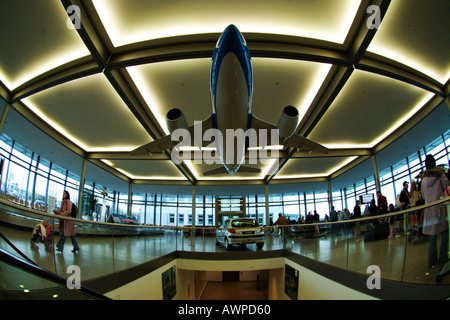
point(231, 86)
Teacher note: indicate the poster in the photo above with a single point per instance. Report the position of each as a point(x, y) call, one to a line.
point(291, 282)
point(169, 284)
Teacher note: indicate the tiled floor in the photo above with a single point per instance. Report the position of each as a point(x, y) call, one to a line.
point(233, 290)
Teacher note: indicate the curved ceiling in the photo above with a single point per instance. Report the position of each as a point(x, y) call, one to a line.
point(101, 82)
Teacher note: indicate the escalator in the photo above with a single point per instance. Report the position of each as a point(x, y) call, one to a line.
point(22, 279)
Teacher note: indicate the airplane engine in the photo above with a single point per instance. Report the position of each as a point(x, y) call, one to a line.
point(175, 120)
point(288, 121)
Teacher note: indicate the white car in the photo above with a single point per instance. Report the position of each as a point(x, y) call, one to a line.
point(240, 231)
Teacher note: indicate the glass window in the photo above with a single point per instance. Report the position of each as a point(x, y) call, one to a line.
point(387, 185)
point(72, 186)
point(322, 206)
point(337, 200)
point(310, 203)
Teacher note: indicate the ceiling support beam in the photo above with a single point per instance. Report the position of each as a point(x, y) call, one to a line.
point(101, 55)
point(339, 74)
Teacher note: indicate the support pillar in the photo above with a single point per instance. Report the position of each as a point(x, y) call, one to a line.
point(81, 187)
point(375, 170)
point(266, 191)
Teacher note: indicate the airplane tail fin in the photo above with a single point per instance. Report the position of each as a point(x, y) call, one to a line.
point(222, 170)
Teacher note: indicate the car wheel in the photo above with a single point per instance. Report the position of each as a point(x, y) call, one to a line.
point(217, 241)
point(260, 245)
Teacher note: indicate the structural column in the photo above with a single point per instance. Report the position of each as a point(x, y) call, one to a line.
point(330, 197)
point(129, 200)
point(4, 115)
point(2, 124)
point(266, 191)
point(375, 170)
point(193, 204)
point(81, 187)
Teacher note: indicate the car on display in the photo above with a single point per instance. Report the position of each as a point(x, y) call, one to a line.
point(240, 231)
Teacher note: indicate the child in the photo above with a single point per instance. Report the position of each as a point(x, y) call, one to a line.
point(42, 233)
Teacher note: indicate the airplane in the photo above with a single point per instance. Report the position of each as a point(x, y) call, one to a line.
point(231, 86)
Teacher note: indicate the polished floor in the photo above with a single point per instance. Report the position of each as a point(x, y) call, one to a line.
point(397, 258)
point(233, 290)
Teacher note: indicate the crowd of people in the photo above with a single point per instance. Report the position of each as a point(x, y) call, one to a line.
point(429, 186)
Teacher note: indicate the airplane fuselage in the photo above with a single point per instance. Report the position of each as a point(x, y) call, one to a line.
point(231, 85)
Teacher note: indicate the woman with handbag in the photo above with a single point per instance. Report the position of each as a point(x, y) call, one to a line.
point(66, 227)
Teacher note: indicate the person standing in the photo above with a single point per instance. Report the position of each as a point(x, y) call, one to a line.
point(66, 227)
point(382, 203)
point(357, 215)
point(435, 223)
point(404, 196)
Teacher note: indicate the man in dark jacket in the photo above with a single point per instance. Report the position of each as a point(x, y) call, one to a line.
point(404, 196)
point(357, 215)
point(382, 203)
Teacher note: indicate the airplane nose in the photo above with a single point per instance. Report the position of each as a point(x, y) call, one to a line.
point(231, 29)
point(231, 37)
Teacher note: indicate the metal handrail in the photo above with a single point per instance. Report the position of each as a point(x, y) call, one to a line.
point(109, 224)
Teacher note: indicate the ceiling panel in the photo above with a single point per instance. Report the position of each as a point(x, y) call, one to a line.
point(312, 167)
point(412, 34)
point(146, 20)
point(43, 42)
point(182, 84)
point(367, 109)
point(282, 82)
point(89, 112)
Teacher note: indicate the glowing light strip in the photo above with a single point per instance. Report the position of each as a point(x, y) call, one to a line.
point(211, 22)
point(131, 176)
point(316, 83)
point(149, 95)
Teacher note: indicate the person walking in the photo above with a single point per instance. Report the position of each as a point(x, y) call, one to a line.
point(357, 215)
point(66, 227)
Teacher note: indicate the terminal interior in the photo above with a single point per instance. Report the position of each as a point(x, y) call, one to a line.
point(85, 82)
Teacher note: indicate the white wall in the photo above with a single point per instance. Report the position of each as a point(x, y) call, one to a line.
point(315, 287)
point(149, 287)
point(311, 285)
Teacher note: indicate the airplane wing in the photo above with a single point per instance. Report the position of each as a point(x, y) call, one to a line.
point(166, 143)
point(294, 141)
point(303, 144)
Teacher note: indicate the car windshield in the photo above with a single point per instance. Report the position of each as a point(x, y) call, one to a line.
point(244, 223)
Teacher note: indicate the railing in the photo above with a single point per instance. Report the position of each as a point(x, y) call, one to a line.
point(106, 248)
point(22, 280)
